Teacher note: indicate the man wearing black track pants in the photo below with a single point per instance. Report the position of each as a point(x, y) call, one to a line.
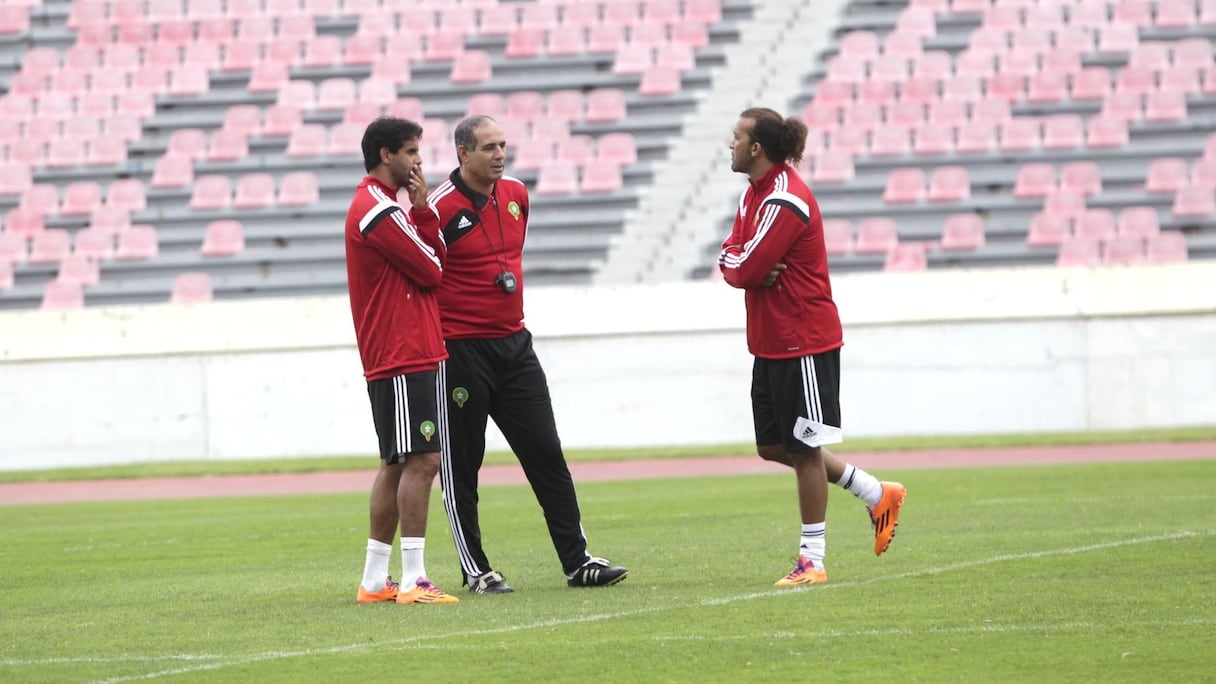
point(492, 370)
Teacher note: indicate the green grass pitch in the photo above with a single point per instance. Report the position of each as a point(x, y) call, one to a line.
point(1055, 573)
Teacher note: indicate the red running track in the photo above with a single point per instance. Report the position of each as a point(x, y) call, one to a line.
point(360, 481)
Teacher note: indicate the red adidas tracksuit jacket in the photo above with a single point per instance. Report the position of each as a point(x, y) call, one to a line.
point(778, 221)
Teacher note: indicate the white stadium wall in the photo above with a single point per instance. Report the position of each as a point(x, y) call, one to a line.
point(992, 351)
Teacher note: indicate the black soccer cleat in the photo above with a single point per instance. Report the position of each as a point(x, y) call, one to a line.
point(596, 572)
point(489, 582)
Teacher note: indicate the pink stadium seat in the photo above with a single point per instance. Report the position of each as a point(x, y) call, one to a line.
point(1047, 86)
point(281, 120)
point(106, 151)
point(525, 42)
point(677, 56)
point(877, 93)
point(531, 155)
point(1068, 203)
point(834, 166)
point(906, 258)
point(557, 178)
point(1165, 106)
point(14, 248)
point(345, 139)
point(949, 184)
point(65, 154)
point(704, 11)
point(604, 38)
point(860, 44)
point(472, 66)
point(659, 80)
point(211, 192)
point(172, 172)
point(1138, 222)
point(488, 104)
point(621, 13)
point(6, 274)
point(1082, 176)
point(361, 113)
point(525, 104)
point(1122, 251)
point(62, 296)
point(1035, 179)
point(963, 232)
point(890, 141)
point(1118, 37)
point(298, 189)
point(601, 178)
point(254, 191)
point(377, 91)
point(1167, 247)
point(579, 15)
point(322, 52)
point(1095, 225)
point(94, 244)
point(188, 80)
point(243, 119)
point(110, 219)
point(1194, 52)
point(189, 143)
point(1091, 83)
point(49, 246)
point(27, 152)
point(934, 139)
point(127, 193)
point(309, 140)
point(1126, 106)
point(135, 103)
point(617, 148)
point(665, 12)
point(1203, 172)
point(299, 94)
point(1178, 15)
point(24, 221)
point(1020, 135)
point(838, 236)
point(336, 93)
point(15, 177)
point(576, 149)
point(567, 105)
point(137, 242)
point(1194, 201)
point(500, 19)
point(1166, 174)
point(565, 42)
point(1007, 87)
point(892, 68)
point(1063, 132)
point(192, 288)
point(852, 139)
point(227, 145)
point(1079, 253)
point(1106, 132)
point(223, 238)
point(632, 59)
point(42, 198)
point(219, 30)
point(918, 89)
point(242, 55)
point(902, 113)
point(1181, 79)
point(965, 88)
point(876, 236)
point(1140, 80)
point(1046, 229)
point(80, 198)
point(79, 269)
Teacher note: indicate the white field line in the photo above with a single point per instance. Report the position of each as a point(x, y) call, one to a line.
point(557, 622)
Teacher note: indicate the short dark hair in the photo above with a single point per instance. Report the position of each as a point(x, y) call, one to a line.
point(465, 134)
point(781, 138)
point(390, 132)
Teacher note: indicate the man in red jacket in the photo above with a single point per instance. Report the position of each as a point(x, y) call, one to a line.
point(394, 262)
point(493, 371)
point(776, 255)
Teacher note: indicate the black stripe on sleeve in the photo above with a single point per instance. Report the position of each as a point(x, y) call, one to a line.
point(379, 217)
point(802, 216)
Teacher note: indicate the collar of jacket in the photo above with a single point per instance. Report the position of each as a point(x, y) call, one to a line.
point(478, 199)
point(767, 180)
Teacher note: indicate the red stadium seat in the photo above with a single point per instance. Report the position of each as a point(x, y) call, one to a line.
point(192, 288)
point(963, 232)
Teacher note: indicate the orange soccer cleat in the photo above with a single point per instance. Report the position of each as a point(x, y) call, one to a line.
point(804, 572)
point(885, 516)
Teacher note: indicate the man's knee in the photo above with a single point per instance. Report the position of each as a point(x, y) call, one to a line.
point(773, 452)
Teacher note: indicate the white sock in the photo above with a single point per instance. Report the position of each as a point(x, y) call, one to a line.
point(863, 485)
point(814, 542)
point(375, 568)
point(412, 567)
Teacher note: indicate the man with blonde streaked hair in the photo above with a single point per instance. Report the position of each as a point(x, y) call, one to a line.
point(775, 254)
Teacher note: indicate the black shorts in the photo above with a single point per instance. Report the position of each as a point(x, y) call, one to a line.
point(405, 410)
point(796, 402)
